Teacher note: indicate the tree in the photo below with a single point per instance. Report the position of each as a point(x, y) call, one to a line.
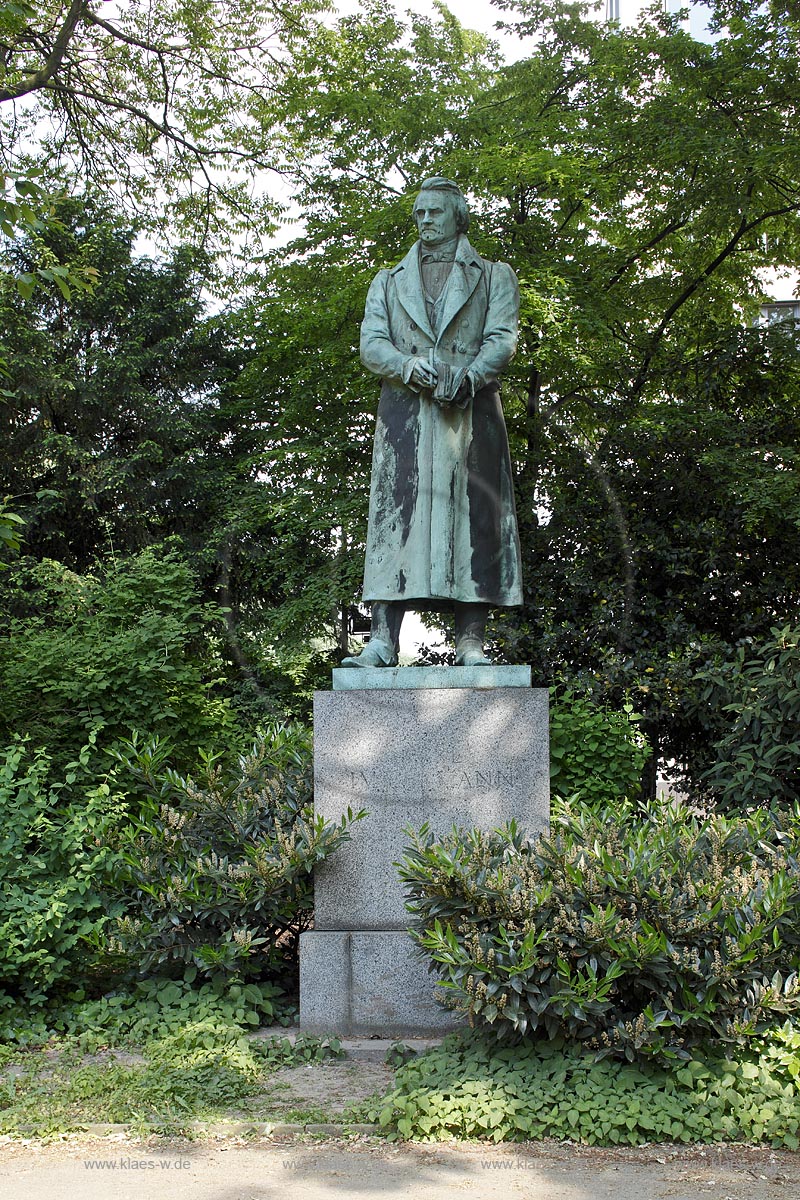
point(674, 540)
point(166, 105)
point(652, 178)
point(114, 432)
point(640, 182)
point(128, 426)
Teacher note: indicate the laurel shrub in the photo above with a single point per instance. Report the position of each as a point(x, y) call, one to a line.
point(216, 872)
point(638, 935)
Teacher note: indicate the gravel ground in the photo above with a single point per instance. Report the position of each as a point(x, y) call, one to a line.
point(300, 1169)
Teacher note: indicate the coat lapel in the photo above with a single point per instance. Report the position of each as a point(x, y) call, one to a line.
point(464, 277)
point(408, 281)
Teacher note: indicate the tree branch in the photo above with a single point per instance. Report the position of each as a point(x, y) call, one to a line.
point(671, 227)
point(150, 47)
point(166, 131)
point(744, 228)
point(40, 79)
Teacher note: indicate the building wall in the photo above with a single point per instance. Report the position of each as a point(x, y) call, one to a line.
point(626, 12)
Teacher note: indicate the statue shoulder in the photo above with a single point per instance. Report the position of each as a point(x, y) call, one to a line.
point(387, 274)
point(498, 273)
point(378, 285)
point(502, 280)
point(502, 270)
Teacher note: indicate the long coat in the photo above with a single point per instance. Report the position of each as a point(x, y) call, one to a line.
point(442, 522)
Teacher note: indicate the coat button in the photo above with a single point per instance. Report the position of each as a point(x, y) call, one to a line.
point(412, 326)
point(413, 349)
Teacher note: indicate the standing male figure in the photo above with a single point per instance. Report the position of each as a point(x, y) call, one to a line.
point(438, 329)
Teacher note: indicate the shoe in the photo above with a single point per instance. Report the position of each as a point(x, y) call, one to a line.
point(470, 653)
point(376, 653)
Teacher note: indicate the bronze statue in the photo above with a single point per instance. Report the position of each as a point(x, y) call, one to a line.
point(438, 329)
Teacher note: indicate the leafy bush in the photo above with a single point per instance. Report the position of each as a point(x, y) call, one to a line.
point(131, 647)
point(216, 873)
point(53, 858)
point(758, 758)
point(639, 938)
point(596, 753)
point(470, 1088)
point(134, 1015)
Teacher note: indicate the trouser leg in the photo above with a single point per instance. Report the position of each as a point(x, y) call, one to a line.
point(387, 617)
point(470, 621)
point(384, 639)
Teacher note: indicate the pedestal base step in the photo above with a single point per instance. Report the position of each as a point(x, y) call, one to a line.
point(347, 679)
point(362, 983)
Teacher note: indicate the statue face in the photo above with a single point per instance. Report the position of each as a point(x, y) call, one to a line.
point(435, 217)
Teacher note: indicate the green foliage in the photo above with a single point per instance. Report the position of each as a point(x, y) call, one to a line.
point(54, 857)
point(128, 647)
point(27, 210)
point(216, 872)
point(672, 541)
point(157, 1057)
point(758, 757)
point(304, 1049)
point(115, 427)
point(399, 1053)
point(470, 1088)
point(596, 754)
point(662, 443)
point(653, 426)
point(151, 1009)
point(11, 525)
point(639, 937)
point(133, 419)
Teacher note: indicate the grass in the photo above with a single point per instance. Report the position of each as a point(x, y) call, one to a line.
point(58, 1088)
point(157, 1058)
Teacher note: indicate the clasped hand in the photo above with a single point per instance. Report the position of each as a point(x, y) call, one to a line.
point(423, 374)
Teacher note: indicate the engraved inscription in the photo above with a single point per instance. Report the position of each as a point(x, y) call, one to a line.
point(452, 781)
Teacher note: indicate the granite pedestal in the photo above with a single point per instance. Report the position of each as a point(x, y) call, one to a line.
point(428, 749)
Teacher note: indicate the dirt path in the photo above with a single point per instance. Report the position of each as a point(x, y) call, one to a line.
point(121, 1169)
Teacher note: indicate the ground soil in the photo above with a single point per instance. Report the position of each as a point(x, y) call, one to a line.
point(329, 1088)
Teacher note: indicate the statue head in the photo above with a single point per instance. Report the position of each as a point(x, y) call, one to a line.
point(440, 210)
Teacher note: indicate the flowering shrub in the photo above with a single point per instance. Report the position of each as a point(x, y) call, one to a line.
point(638, 937)
point(216, 873)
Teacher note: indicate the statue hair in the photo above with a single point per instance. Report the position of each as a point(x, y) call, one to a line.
point(437, 183)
